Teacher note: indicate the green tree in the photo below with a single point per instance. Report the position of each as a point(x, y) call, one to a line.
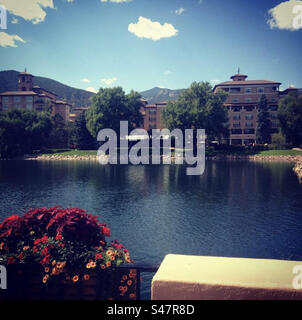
point(198, 108)
point(81, 137)
point(263, 131)
point(23, 131)
point(110, 106)
point(290, 116)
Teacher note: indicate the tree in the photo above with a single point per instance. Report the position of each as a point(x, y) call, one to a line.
point(81, 137)
point(290, 116)
point(23, 131)
point(263, 131)
point(110, 106)
point(198, 108)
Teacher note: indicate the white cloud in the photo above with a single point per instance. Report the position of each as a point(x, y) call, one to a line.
point(116, 1)
point(9, 40)
point(109, 82)
point(214, 82)
point(180, 11)
point(145, 28)
point(91, 89)
point(85, 80)
point(32, 10)
point(282, 16)
point(14, 20)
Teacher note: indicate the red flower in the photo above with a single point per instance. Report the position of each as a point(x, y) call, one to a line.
point(10, 260)
point(45, 252)
point(44, 239)
point(35, 249)
point(98, 256)
point(45, 260)
point(20, 256)
point(59, 237)
point(106, 232)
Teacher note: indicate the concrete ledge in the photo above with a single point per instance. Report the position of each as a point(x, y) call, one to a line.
point(183, 277)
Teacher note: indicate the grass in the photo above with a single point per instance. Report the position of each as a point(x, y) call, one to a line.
point(72, 152)
point(67, 152)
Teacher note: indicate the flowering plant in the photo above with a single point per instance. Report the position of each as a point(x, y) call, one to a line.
point(68, 242)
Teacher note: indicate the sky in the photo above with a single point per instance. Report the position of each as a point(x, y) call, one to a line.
point(140, 44)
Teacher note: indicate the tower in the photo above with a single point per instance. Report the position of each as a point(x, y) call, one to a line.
point(25, 81)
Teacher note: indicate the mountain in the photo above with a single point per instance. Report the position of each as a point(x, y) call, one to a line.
point(77, 97)
point(157, 94)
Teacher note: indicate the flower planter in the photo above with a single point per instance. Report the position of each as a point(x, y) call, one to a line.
point(57, 253)
point(25, 283)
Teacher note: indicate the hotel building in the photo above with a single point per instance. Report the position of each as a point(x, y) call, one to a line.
point(241, 103)
point(34, 98)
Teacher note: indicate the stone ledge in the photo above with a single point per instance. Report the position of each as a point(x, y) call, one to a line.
point(183, 277)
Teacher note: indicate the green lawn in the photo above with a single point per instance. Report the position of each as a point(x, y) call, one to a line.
point(67, 152)
point(70, 152)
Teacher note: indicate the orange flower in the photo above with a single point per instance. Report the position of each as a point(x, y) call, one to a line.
point(129, 282)
point(46, 269)
point(45, 278)
point(108, 263)
point(86, 277)
point(124, 277)
point(25, 248)
point(132, 296)
point(92, 264)
point(75, 279)
point(103, 266)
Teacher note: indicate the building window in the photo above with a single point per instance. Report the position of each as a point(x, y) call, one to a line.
point(236, 131)
point(29, 99)
point(236, 109)
point(17, 99)
point(248, 99)
point(4, 108)
point(274, 108)
point(236, 117)
point(152, 111)
point(5, 99)
point(274, 88)
point(29, 106)
point(249, 124)
point(235, 90)
point(248, 117)
point(274, 116)
point(249, 131)
point(249, 108)
point(236, 124)
point(235, 100)
point(248, 90)
point(260, 90)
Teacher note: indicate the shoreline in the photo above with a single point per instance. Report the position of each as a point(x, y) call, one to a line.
point(268, 158)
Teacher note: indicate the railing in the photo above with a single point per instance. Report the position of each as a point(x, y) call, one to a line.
point(140, 268)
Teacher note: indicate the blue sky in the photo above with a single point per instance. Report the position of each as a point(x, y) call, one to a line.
point(141, 44)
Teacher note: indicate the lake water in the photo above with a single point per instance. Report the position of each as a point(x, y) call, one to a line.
point(236, 209)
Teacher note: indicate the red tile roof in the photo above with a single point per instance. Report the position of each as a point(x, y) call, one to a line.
point(18, 93)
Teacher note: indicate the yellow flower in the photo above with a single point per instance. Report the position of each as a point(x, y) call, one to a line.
point(54, 263)
point(88, 265)
point(109, 252)
point(45, 278)
point(92, 264)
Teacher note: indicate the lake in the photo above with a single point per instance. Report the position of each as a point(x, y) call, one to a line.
point(236, 209)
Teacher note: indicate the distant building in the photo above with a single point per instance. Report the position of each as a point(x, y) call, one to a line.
point(243, 98)
point(34, 98)
point(76, 112)
point(153, 115)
